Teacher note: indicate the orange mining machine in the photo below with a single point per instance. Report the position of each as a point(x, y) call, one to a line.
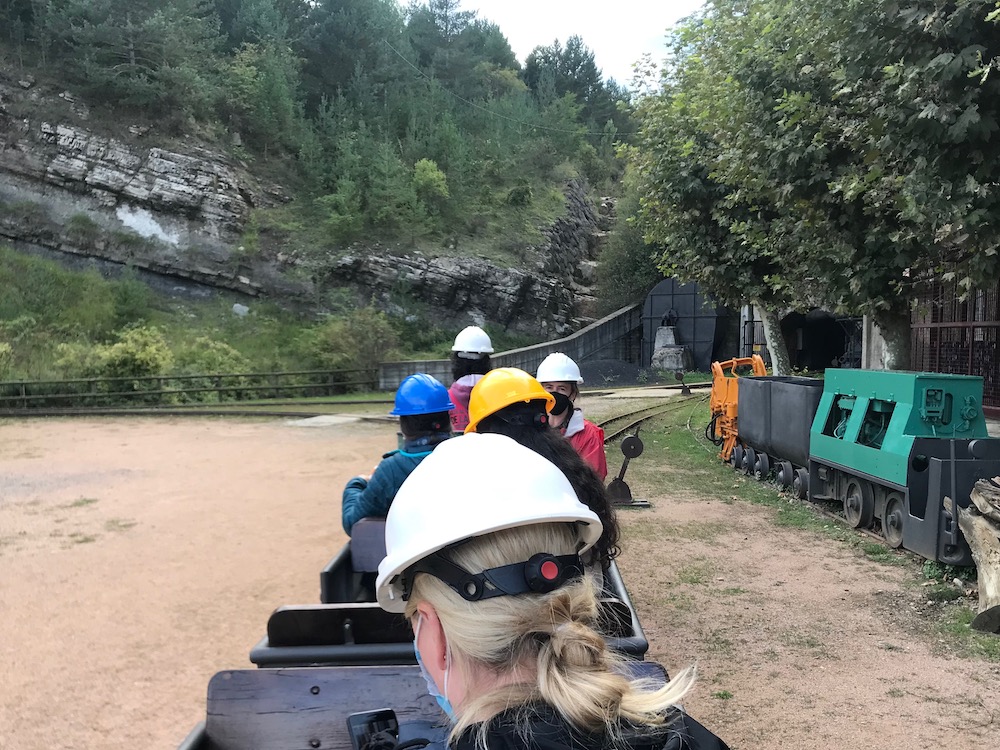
point(722, 429)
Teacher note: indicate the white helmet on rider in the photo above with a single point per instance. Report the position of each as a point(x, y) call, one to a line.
point(558, 368)
point(472, 342)
point(433, 509)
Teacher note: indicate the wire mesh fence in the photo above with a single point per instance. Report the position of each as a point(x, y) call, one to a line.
point(173, 390)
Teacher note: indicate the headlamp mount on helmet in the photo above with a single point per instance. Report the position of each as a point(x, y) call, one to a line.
point(540, 574)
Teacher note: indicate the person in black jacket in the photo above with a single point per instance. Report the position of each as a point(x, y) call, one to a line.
point(483, 555)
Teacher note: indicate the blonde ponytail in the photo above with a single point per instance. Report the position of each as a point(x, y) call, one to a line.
point(547, 645)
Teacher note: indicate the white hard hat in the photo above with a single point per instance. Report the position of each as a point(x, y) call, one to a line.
point(472, 485)
point(474, 340)
point(558, 368)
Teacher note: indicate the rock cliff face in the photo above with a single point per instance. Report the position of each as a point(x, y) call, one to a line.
point(180, 211)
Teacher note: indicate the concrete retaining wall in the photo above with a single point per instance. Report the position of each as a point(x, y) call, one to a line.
point(606, 338)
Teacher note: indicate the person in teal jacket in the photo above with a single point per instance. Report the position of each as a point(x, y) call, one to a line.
point(423, 406)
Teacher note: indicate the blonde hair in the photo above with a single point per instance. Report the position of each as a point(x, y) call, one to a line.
point(576, 673)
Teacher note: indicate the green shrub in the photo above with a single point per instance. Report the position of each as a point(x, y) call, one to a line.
point(206, 356)
point(131, 300)
point(82, 229)
point(431, 185)
point(138, 353)
point(520, 195)
point(358, 341)
point(6, 357)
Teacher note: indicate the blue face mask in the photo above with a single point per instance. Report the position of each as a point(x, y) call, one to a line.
point(442, 701)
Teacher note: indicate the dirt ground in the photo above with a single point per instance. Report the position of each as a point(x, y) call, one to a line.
point(141, 556)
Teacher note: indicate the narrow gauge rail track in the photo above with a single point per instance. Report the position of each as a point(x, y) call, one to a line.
point(306, 411)
point(632, 419)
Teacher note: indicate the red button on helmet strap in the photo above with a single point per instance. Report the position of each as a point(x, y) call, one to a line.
point(550, 571)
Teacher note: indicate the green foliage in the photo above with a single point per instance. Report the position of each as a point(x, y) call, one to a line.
point(138, 53)
point(342, 211)
point(260, 84)
point(520, 195)
point(23, 211)
point(556, 71)
point(820, 150)
point(935, 571)
point(357, 341)
point(386, 124)
point(49, 296)
point(627, 270)
point(81, 229)
point(137, 353)
point(131, 300)
point(430, 185)
point(205, 356)
point(6, 358)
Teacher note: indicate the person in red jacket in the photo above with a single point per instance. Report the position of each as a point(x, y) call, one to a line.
point(560, 375)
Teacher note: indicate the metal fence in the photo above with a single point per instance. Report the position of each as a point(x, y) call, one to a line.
point(614, 336)
point(171, 390)
point(961, 349)
point(958, 332)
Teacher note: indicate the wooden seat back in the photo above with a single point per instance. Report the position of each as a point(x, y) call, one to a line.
point(291, 709)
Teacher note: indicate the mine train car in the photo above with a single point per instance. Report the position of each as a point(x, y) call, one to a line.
point(320, 663)
point(891, 447)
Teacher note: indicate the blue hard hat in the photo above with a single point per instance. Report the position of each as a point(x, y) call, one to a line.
point(421, 394)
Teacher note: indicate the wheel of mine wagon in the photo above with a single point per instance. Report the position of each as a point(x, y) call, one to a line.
point(762, 467)
point(736, 457)
point(859, 504)
point(749, 460)
point(800, 484)
point(786, 474)
point(894, 519)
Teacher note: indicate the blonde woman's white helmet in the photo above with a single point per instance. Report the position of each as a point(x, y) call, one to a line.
point(469, 486)
point(558, 368)
point(472, 340)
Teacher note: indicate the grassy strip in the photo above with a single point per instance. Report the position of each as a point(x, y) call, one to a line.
point(670, 441)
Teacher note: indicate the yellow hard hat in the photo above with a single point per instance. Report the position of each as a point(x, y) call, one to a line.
point(500, 388)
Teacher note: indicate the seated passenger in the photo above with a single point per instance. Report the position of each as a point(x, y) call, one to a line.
point(560, 374)
point(422, 405)
point(470, 360)
point(510, 402)
point(504, 615)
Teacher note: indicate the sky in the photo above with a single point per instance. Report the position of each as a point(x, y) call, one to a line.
point(618, 32)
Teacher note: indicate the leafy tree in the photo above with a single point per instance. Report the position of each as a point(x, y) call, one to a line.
point(342, 209)
point(431, 185)
point(360, 340)
point(627, 270)
point(351, 40)
point(554, 71)
point(138, 353)
point(261, 81)
point(487, 42)
point(391, 200)
point(849, 145)
point(139, 53)
point(256, 21)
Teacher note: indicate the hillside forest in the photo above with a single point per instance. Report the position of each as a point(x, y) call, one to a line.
point(384, 123)
point(795, 154)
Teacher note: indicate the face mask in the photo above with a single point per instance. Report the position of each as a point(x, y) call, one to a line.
point(442, 700)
